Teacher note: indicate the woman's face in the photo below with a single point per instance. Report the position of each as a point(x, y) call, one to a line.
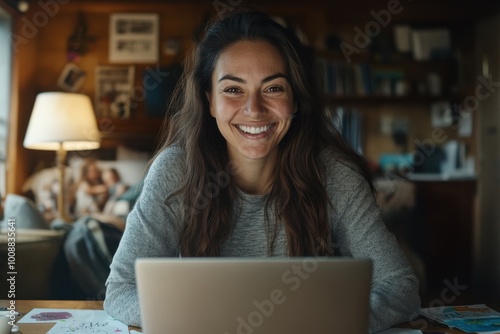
point(251, 99)
point(93, 173)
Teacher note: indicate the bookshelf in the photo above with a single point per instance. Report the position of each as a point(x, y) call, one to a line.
point(400, 80)
point(375, 85)
point(360, 101)
point(382, 81)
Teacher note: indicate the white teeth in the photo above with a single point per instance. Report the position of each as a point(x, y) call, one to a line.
point(254, 130)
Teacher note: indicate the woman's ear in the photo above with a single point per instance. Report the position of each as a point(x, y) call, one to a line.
point(209, 98)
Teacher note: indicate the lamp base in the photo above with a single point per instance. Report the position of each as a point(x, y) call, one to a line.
point(61, 196)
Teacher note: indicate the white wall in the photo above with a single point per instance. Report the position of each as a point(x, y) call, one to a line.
point(488, 230)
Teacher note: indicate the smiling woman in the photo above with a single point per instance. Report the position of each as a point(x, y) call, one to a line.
point(252, 101)
point(254, 167)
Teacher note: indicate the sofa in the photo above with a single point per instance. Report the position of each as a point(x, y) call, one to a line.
point(54, 260)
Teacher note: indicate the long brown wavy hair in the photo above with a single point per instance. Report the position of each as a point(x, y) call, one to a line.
point(208, 192)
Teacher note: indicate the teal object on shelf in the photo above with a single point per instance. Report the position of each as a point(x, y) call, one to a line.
point(395, 161)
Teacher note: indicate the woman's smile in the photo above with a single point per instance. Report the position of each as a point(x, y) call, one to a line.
point(256, 132)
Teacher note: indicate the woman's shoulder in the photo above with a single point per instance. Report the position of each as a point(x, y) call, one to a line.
point(168, 163)
point(169, 154)
point(343, 179)
point(338, 168)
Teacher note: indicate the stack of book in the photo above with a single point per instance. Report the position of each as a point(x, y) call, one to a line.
point(470, 318)
point(341, 79)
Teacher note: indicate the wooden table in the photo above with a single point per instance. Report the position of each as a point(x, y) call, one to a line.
point(24, 306)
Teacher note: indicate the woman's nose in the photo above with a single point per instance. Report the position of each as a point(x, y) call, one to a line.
point(254, 107)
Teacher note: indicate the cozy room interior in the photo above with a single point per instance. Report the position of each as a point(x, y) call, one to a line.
point(419, 102)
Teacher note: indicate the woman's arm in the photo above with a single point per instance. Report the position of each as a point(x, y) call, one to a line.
point(360, 232)
point(97, 189)
point(151, 231)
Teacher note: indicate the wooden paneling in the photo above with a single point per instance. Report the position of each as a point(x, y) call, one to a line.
point(40, 62)
point(446, 210)
point(23, 92)
point(488, 227)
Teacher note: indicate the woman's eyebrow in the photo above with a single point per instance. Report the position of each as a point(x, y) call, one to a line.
point(240, 80)
point(274, 76)
point(232, 77)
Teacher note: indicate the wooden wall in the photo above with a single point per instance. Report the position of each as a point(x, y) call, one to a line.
point(39, 62)
point(40, 59)
point(23, 96)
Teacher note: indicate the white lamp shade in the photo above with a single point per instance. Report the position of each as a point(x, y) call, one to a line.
point(62, 118)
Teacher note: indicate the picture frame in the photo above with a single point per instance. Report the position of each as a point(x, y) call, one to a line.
point(134, 38)
point(113, 88)
point(71, 78)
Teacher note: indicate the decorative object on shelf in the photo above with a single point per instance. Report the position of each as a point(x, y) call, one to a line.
point(71, 78)
point(113, 91)
point(78, 41)
point(133, 38)
point(402, 88)
point(396, 162)
point(431, 44)
point(402, 38)
point(385, 81)
point(399, 133)
point(434, 84)
point(441, 114)
point(171, 46)
point(62, 122)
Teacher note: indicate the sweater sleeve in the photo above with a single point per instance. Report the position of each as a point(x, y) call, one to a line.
point(152, 230)
point(360, 232)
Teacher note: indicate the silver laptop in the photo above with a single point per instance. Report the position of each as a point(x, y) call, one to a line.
point(254, 296)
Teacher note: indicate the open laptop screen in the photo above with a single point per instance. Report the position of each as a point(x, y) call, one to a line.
point(241, 295)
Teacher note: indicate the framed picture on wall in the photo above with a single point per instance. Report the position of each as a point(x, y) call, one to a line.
point(113, 91)
point(71, 78)
point(133, 38)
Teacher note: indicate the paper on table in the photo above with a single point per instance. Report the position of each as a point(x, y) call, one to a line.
point(46, 315)
point(400, 331)
point(88, 327)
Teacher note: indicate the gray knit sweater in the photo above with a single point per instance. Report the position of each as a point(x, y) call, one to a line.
point(152, 230)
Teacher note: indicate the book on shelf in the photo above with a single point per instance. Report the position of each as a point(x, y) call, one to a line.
point(359, 79)
point(349, 123)
point(477, 318)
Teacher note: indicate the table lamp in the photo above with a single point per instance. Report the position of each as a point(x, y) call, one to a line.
point(62, 122)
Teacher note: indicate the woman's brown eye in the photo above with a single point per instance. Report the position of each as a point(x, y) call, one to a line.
point(275, 89)
point(232, 90)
